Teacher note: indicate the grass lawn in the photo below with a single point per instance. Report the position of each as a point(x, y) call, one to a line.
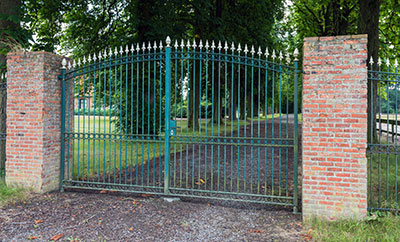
point(375, 228)
point(11, 194)
point(383, 181)
point(101, 156)
point(383, 192)
point(92, 157)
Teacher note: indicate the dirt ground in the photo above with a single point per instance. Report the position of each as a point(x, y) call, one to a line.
point(95, 216)
point(109, 216)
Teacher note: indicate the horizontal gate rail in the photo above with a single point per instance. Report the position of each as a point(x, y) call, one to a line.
point(195, 119)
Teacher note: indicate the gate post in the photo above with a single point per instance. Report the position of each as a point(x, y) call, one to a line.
point(167, 112)
point(33, 120)
point(335, 127)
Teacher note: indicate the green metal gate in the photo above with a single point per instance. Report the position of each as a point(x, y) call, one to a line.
point(383, 143)
point(192, 119)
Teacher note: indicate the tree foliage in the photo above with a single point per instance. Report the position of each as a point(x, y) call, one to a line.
point(80, 27)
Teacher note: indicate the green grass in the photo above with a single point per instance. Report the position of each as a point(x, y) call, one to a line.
point(11, 194)
point(384, 184)
point(374, 228)
point(103, 156)
point(97, 157)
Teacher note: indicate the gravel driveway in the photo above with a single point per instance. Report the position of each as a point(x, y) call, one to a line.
point(78, 216)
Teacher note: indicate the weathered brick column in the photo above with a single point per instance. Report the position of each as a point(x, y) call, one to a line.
point(335, 127)
point(33, 120)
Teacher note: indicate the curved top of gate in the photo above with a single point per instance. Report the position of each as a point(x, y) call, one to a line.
point(205, 51)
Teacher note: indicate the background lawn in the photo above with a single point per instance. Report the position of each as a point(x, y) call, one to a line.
point(11, 194)
point(93, 157)
point(376, 228)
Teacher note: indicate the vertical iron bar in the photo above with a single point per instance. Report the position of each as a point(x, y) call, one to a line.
point(380, 135)
point(206, 123)
point(238, 125)
point(200, 73)
point(137, 117)
point(62, 153)
point(395, 141)
point(225, 114)
point(219, 102)
point(287, 129)
point(296, 141)
point(69, 126)
point(212, 117)
point(252, 122)
point(387, 137)
point(273, 130)
point(175, 108)
point(126, 133)
point(266, 126)
point(99, 121)
point(148, 113)
point(131, 117)
point(167, 112)
point(373, 119)
point(245, 121)
point(154, 114)
point(193, 112)
point(280, 128)
point(259, 121)
point(182, 100)
point(232, 116)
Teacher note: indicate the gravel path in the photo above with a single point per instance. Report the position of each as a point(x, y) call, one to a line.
point(219, 167)
point(121, 217)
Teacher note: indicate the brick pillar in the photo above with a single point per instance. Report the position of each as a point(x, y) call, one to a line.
point(33, 120)
point(335, 127)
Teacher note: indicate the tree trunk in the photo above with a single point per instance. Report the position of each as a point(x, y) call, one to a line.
point(7, 7)
point(242, 99)
point(217, 98)
point(144, 20)
point(233, 97)
point(368, 23)
point(194, 96)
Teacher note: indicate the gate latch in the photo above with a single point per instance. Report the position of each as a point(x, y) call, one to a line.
point(172, 126)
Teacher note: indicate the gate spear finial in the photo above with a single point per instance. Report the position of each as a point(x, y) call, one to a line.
point(245, 49)
point(296, 54)
point(371, 61)
point(63, 63)
point(168, 41)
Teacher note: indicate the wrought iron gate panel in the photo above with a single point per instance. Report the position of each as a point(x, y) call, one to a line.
point(383, 143)
point(190, 120)
point(118, 124)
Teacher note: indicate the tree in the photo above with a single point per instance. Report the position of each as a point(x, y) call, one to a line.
point(368, 23)
point(331, 17)
point(10, 31)
point(82, 27)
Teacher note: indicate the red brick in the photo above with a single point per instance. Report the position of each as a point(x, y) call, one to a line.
point(335, 126)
